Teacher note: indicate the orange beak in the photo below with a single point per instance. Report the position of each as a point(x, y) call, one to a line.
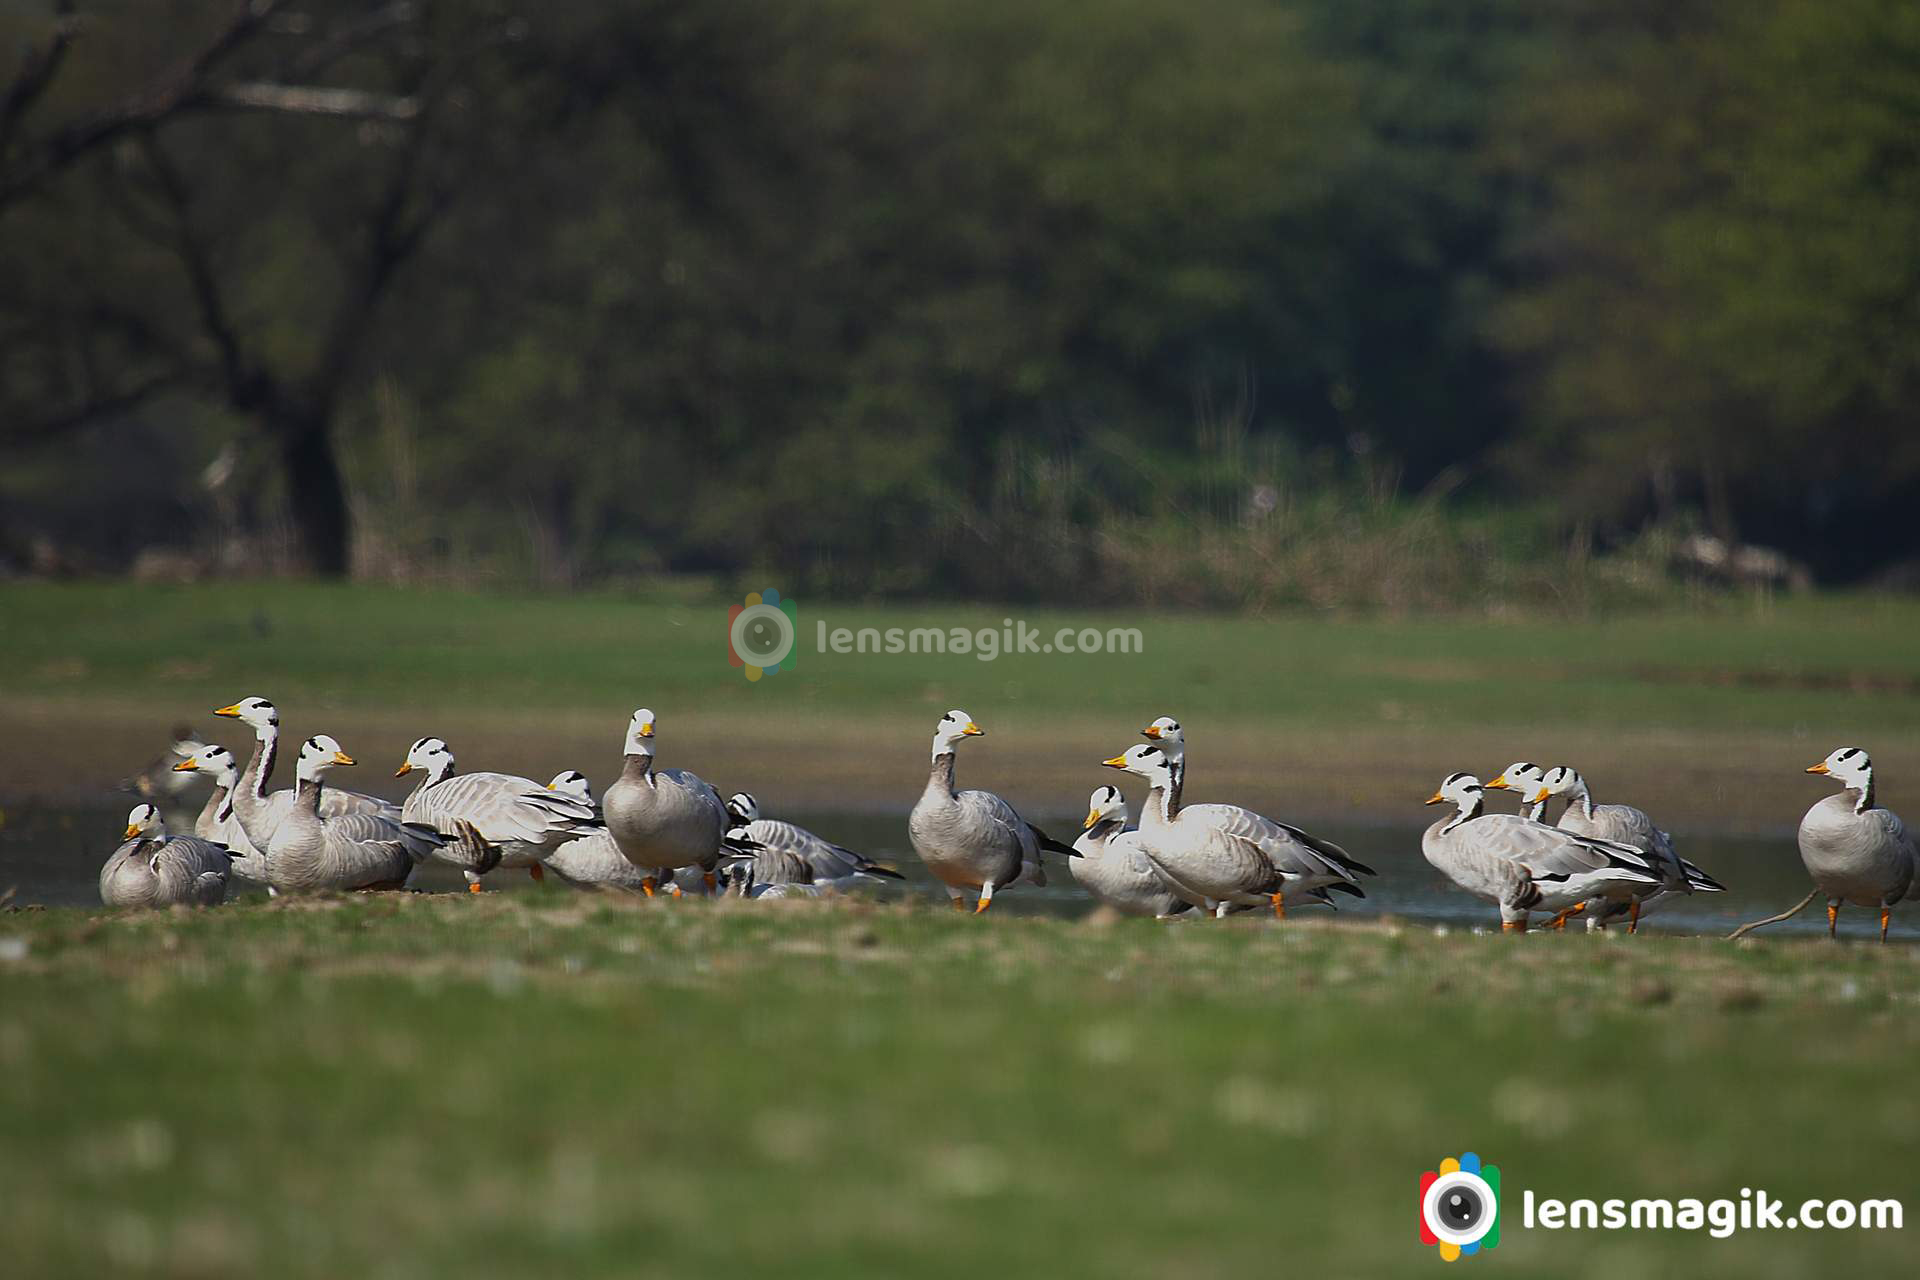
point(1819, 768)
point(1151, 731)
point(1541, 797)
point(232, 711)
point(1500, 784)
point(972, 731)
point(185, 766)
point(1436, 798)
point(341, 757)
point(1118, 762)
point(403, 770)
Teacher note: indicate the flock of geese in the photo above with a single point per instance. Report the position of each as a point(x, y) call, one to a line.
point(658, 830)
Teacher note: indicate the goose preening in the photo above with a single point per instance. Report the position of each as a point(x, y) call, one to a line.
point(1522, 777)
point(1623, 824)
point(218, 821)
point(492, 819)
point(260, 812)
point(784, 847)
point(1856, 851)
point(1114, 868)
point(311, 852)
point(592, 860)
point(1521, 865)
point(154, 869)
point(1223, 855)
point(663, 819)
point(973, 842)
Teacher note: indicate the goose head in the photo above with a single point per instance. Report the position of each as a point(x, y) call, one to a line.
point(572, 783)
point(431, 754)
point(1146, 761)
point(1105, 803)
point(953, 726)
point(1560, 781)
point(317, 755)
point(1462, 789)
point(1522, 777)
point(640, 733)
point(742, 808)
point(1167, 732)
point(256, 713)
point(144, 820)
point(1852, 768)
point(215, 761)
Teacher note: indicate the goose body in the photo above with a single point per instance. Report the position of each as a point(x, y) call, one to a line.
point(791, 854)
point(1521, 865)
point(592, 860)
point(973, 842)
point(490, 819)
point(311, 852)
point(153, 869)
point(1223, 855)
point(1857, 852)
point(1114, 868)
point(1624, 824)
point(662, 819)
point(217, 820)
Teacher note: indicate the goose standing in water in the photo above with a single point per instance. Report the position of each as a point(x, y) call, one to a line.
point(1627, 825)
point(1114, 868)
point(973, 841)
point(217, 821)
point(663, 819)
point(1229, 856)
point(260, 812)
point(311, 852)
point(154, 869)
point(494, 819)
point(1522, 777)
point(1855, 851)
point(828, 865)
point(1521, 865)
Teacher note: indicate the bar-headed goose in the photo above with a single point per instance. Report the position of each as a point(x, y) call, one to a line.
point(311, 852)
point(1856, 851)
point(829, 865)
point(663, 819)
point(1522, 777)
point(973, 842)
point(1113, 867)
point(259, 811)
point(1521, 865)
point(154, 869)
point(591, 860)
point(217, 821)
point(515, 821)
point(1226, 855)
point(1626, 825)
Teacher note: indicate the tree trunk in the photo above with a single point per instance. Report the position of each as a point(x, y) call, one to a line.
point(316, 497)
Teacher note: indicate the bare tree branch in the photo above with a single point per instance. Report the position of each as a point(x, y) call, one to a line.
point(97, 407)
point(313, 100)
point(37, 70)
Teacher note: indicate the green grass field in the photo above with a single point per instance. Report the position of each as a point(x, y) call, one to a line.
point(572, 1085)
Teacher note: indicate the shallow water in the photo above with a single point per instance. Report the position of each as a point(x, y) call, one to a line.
point(50, 854)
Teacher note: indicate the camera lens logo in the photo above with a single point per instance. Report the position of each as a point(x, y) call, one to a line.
point(761, 633)
point(1460, 1207)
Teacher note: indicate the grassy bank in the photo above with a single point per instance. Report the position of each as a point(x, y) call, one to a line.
point(482, 1087)
point(1704, 713)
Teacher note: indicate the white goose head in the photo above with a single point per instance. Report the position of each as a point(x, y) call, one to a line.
point(953, 726)
point(144, 820)
point(1172, 738)
point(317, 755)
point(572, 783)
point(1852, 768)
point(742, 808)
point(640, 733)
point(1522, 777)
point(1146, 761)
point(1105, 803)
point(215, 760)
point(256, 713)
point(431, 754)
point(1462, 789)
point(1560, 780)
